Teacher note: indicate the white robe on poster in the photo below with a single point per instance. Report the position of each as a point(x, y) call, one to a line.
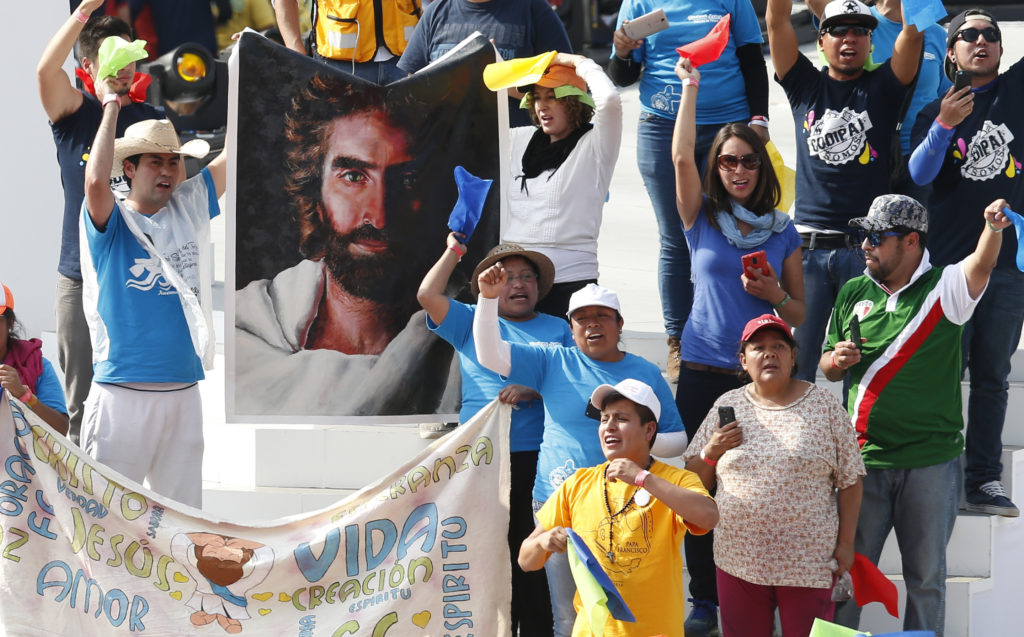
point(274, 375)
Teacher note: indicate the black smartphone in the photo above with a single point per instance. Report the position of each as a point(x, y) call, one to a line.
point(962, 79)
point(726, 415)
point(855, 330)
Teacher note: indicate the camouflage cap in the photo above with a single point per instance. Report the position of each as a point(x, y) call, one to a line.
point(891, 211)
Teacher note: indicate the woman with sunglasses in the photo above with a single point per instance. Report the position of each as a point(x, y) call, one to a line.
point(731, 216)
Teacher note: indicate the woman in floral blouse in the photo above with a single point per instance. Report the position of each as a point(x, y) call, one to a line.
point(788, 471)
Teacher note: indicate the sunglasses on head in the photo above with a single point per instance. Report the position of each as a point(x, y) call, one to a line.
point(840, 30)
point(876, 237)
point(970, 34)
point(750, 161)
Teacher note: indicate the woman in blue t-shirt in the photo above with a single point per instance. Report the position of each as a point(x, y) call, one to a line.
point(731, 216)
point(25, 373)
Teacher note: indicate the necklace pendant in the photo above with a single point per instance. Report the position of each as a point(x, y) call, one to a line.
point(611, 556)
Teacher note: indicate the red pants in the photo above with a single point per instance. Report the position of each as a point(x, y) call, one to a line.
point(748, 610)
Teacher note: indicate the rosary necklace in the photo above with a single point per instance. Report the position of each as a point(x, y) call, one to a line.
point(608, 509)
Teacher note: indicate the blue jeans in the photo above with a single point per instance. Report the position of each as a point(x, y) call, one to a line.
point(561, 587)
point(382, 73)
point(825, 272)
point(654, 159)
point(989, 340)
point(921, 504)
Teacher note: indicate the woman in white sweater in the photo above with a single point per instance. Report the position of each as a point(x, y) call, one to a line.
point(560, 170)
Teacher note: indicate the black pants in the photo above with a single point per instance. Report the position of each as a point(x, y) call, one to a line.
point(531, 604)
point(695, 396)
point(556, 302)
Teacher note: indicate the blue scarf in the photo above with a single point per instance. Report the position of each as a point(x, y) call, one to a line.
point(763, 226)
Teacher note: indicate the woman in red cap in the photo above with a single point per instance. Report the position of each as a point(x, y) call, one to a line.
point(25, 374)
point(785, 532)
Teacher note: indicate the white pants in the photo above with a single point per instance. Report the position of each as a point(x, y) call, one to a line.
point(152, 435)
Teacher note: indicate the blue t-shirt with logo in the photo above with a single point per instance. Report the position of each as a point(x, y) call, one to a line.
point(982, 163)
point(843, 134)
point(139, 330)
point(566, 377)
point(723, 94)
point(480, 385)
point(721, 307)
point(932, 82)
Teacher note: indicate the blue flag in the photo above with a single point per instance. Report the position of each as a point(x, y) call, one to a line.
point(472, 195)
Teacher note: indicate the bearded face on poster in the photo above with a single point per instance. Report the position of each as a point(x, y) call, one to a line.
point(366, 175)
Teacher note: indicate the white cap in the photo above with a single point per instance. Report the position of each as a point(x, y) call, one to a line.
point(593, 294)
point(635, 390)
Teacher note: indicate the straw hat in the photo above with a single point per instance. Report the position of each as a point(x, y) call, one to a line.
point(545, 269)
point(153, 136)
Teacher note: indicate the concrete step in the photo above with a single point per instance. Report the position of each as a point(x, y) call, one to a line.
point(960, 595)
point(969, 553)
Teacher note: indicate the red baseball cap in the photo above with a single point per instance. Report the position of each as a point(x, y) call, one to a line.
point(765, 321)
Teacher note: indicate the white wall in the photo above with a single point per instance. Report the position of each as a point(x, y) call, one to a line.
point(30, 191)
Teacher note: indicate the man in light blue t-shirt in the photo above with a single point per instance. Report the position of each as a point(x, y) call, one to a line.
point(147, 298)
point(531, 275)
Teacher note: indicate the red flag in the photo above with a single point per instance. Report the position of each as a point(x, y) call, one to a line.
point(708, 48)
point(870, 585)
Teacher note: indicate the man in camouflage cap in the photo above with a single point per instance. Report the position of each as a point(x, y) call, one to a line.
point(905, 390)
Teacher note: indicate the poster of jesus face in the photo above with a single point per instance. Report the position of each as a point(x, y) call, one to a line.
point(342, 194)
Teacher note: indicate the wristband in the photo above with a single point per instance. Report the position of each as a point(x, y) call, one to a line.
point(785, 299)
point(80, 16)
point(943, 124)
point(763, 123)
point(707, 460)
point(994, 229)
point(456, 251)
point(29, 398)
point(111, 97)
point(640, 477)
point(835, 363)
point(691, 82)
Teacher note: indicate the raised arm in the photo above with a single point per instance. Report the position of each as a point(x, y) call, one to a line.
point(58, 96)
point(979, 264)
point(689, 196)
point(287, 14)
point(491, 351)
point(99, 200)
point(781, 36)
point(431, 294)
point(906, 52)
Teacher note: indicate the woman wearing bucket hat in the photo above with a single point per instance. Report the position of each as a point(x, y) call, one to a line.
point(560, 171)
point(530, 278)
point(25, 373)
point(731, 214)
point(566, 376)
point(784, 534)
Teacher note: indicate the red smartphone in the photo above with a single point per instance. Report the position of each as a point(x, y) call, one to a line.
point(756, 261)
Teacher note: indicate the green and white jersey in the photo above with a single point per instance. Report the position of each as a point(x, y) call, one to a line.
point(905, 392)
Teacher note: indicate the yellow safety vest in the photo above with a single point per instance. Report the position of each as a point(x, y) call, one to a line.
point(354, 29)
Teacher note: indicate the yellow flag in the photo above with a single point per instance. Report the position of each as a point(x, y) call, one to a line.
point(785, 175)
point(517, 72)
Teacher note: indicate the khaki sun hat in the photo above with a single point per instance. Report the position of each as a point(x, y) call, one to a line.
point(154, 136)
point(545, 269)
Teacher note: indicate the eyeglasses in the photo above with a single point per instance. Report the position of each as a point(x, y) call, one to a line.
point(525, 277)
point(840, 30)
point(750, 161)
point(876, 237)
point(970, 34)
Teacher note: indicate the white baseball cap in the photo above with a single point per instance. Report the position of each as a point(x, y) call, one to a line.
point(593, 294)
point(631, 388)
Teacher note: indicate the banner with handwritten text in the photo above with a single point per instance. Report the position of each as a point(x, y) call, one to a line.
point(85, 551)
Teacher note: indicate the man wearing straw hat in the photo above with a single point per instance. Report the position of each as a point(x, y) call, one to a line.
point(147, 296)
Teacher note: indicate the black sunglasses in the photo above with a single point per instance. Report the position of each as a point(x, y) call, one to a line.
point(970, 34)
point(876, 237)
point(840, 30)
point(750, 161)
